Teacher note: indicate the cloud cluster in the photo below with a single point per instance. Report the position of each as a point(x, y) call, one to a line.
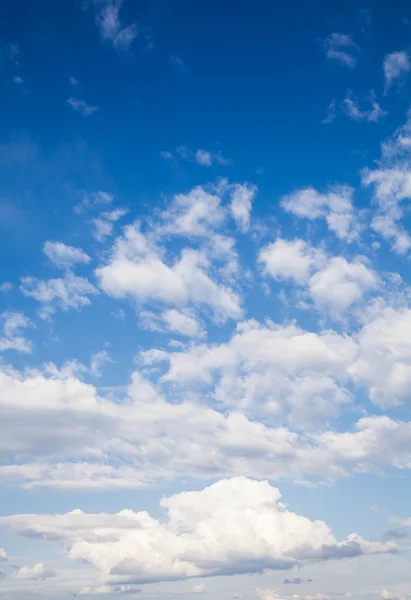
point(236, 525)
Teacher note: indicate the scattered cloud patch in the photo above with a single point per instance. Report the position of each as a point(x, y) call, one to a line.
point(341, 48)
point(396, 66)
point(80, 106)
point(64, 256)
point(11, 339)
point(37, 573)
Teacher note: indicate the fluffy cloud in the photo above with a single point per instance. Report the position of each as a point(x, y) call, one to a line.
point(384, 361)
point(63, 256)
point(333, 283)
point(67, 292)
point(396, 65)
point(37, 573)
point(104, 223)
point(13, 323)
point(294, 259)
point(390, 595)
point(335, 206)
point(136, 270)
point(340, 283)
point(242, 197)
point(236, 525)
point(341, 48)
point(280, 370)
point(3, 554)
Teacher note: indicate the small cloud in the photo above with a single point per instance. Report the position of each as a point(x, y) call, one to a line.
point(179, 65)
point(73, 81)
point(98, 360)
point(199, 589)
point(3, 554)
point(396, 65)
point(18, 80)
point(294, 580)
point(351, 107)
point(64, 256)
point(110, 26)
point(259, 170)
point(202, 157)
point(93, 199)
point(330, 114)
point(81, 107)
point(341, 48)
point(6, 287)
point(13, 53)
point(36, 573)
point(104, 224)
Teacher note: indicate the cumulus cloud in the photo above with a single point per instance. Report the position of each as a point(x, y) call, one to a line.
point(81, 106)
point(396, 65)
point(64, 256)
point(335, 206)
point(67, 292)
point(104, 223)
point(341, 48)
point(294, 260)
point(242, 197)
point(333, 282)
point(37, 573)
point(136, 270)
point(236, 525)
point(391, 183)
point(11, 339)
point(3, 554)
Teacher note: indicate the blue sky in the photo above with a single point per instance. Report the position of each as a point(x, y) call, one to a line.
point(205, 365)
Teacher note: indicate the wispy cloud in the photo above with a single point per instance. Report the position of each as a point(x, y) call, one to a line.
point(331, 113)
point(111, 28)
point(341, 48)
point(351, 107)
point(80, 106)
point(396, 65)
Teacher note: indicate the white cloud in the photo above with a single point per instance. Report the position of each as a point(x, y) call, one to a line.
point(180, 322)
point(136, 270)
point(199, 589)
point(6, 287)
point(67, 292)
point(242, 196)
point(332, 282)
point(80, 106)
point(13, 323)
point(291, 260)
point(341, 283)
point(3, 554)
point(18, 80)
point(341, 48)
point(352, 109)
point(73, 81)
point(205, 158)
point(384, 361)
point(389, 595)
point(37, 573)
point(98, 360)
point(391, 187)
point(63, 256)
point(104, 223)
point(335, 206)
point(396, 66)
point(282, 371)
point(236, 525)
point(110, 26)
point(330, 113)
